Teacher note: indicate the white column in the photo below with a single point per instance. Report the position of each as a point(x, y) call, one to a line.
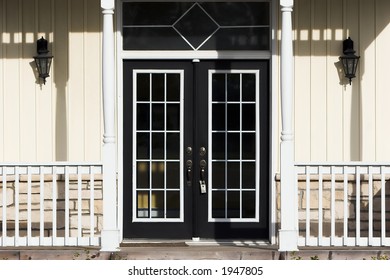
point(110, 231)
point(288, 234)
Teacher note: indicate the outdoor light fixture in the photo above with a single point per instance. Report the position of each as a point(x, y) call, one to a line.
point(43, 59)
point(349, 60)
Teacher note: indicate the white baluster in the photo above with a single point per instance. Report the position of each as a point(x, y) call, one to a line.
point(345, 203)
point(383, 206)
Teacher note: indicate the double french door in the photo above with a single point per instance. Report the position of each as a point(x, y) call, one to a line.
point(196, 149)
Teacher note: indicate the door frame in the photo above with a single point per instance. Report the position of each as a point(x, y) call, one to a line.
point(272, 55)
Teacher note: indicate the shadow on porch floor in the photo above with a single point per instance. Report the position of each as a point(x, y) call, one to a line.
point(181, 251)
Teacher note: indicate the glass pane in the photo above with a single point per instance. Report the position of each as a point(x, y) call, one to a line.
point(158, 87)
point(248, 204)
point(233, 87)
point(248, 117)
point(173, 87)
point(233, 175)
point(157, 204)
point(173, 204)
point(218, 87)
point(243, 25)
point(234, 117)
point(218, 146)
point(153, 13)
point(233, 204)
point(143, 175)
point(153, 38)
point(143, 120)
point(238, 13)
point(249, 146)
point(218, 202)
point(158, 171)
point(218, 117)
point(143, 87)
point(158, 116)
point(142, 204)
point(196, 26)
point(158, 145)
point(245, 38)
point(173, 175)
point(248, 175)
point(248, 87)
point(173, 145)
point(233, 146)
point(218, 175)
point(143, 146)
point(173, 116)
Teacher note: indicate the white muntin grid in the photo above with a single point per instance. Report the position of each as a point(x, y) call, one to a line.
point(240, 189)
point(152, 214)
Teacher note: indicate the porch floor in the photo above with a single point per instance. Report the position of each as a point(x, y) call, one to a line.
point(181, 251)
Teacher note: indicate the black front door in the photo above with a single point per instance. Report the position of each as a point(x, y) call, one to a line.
point(196, 149)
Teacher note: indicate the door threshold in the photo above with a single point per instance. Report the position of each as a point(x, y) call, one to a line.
point(193, 242)
point(152, 243)
point(227, 242)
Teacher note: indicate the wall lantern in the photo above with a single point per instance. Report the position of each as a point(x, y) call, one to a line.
point(349, 60)
point(43, 59)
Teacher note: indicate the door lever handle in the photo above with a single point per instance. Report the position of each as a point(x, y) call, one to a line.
point(202, 181)
point(202, 169)
point(189, 172)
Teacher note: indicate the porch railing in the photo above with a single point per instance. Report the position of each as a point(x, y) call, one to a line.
point(51, 204)
point(343, 204)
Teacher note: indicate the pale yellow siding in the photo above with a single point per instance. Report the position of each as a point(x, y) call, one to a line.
point(61, 120)
point(333, 120)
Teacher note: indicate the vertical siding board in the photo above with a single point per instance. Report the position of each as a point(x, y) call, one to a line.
point(12, 83)
point(318, 81)
point(60, 77)
point(367, 78)
point(92, 74)
point(352, 92)
point(44, 92)
point(302, 80)
point(382, 77)
point(334, 91)
point(76, 83)
point(28, 80)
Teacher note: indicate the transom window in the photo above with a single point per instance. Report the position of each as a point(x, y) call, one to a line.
point(196, 26)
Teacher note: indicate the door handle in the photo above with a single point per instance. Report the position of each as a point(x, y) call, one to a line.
point(189, 172)
point(202, 165)
point(202, 181)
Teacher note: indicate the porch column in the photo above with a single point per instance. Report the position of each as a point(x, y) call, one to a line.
point(288, 234)
point(110, 231)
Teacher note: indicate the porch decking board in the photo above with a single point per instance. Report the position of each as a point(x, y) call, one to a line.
point(193, 253)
